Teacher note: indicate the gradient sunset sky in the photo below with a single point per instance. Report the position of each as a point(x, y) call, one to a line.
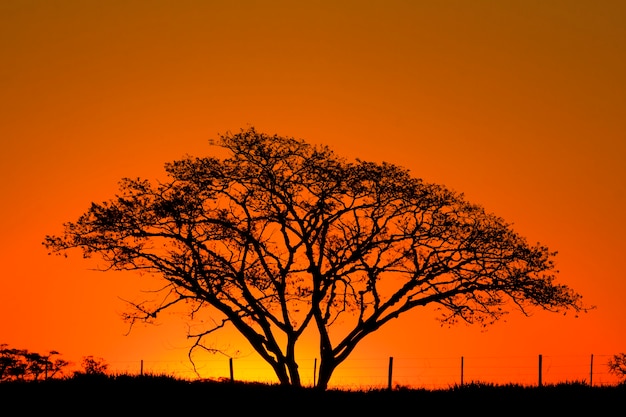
point(520, 105)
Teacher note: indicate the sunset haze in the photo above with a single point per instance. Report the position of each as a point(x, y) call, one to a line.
point(519, 105)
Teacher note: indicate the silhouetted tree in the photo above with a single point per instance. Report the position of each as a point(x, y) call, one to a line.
point(617, 366)
point(20, 364)
point(283, 236)
point(94, 366)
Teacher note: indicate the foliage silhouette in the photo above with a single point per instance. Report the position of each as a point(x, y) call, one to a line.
point(617, 366)
point(23, 365)
point(282, 236)
point(94, 366)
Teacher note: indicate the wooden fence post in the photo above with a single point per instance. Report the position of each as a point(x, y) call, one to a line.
point(390, 373)
point(462, 370)
point(141, 368)
point(314, 372)
point(591, 372)
point(232, 374)
point(540, 370)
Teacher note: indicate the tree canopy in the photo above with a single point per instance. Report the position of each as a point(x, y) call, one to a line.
point(282, 236)
point(24, 365)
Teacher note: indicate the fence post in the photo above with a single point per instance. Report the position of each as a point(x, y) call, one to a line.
point(591, 372)
point(390, 373)
point(540, 370)
point(232, 374)
point(462, 370)
point(141, 368)
point(314, 372)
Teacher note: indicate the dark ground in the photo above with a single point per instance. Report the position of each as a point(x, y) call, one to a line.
point(154, 396)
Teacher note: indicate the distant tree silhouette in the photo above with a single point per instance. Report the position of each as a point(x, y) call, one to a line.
point(21, 364)
point(617, 366)
point(94, 366)
point(283, 236)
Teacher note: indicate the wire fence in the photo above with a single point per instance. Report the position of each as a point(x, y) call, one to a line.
point(393, 372)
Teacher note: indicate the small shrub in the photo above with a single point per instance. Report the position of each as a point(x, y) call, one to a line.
point(94, 366)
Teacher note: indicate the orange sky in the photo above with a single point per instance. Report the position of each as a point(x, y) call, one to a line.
point(521, 105)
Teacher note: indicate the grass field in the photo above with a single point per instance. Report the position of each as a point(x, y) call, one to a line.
point(162, 395)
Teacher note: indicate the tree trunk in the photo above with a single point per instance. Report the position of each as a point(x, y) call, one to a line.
point(281, 373)
point(295, 375)
point(327, 367)
point(290, 360)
